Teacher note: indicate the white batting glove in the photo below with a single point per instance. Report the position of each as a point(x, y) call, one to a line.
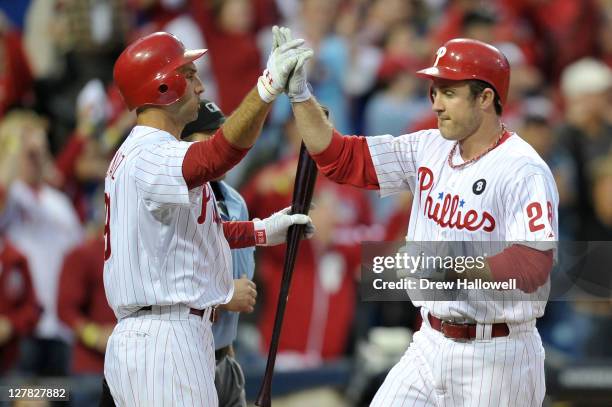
point(272, 230)
point(281, 63)
point(298, 88)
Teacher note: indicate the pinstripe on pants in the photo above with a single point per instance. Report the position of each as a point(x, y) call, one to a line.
point(441, 372)
point(162, 358)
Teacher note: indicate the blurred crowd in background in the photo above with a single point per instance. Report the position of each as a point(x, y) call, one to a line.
point(61, 120)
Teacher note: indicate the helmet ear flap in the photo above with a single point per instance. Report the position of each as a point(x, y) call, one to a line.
point(169, 88)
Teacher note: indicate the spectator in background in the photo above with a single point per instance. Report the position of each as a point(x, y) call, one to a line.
point(397, 104)
point(582, 327)
point(600, 226)
point(230, 28)
point(605, 37)
point(525, 82)
point(85, 157)
point(555, 32)
point(19, 309)
point(537, 130)
point(394, 107)
point(44, 37)
point(332, 58)
point(96, 33)
point(464, 18)
point(82, 306)
point(15, 76)
point(586, 133)
point(43, 225)
point(331, 61)
point(383, 14)
point(479, 25)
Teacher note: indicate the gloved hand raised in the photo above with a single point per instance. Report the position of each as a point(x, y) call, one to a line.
point(272, 230)
point(297, 87)
point(281, 62)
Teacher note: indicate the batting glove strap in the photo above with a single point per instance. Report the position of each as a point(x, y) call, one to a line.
point(281, 62)
point(260, 232)
point(266, 91)
point(272, 231)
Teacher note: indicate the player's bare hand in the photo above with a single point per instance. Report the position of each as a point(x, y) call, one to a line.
point(281, 62)
point(272, 231)
point(244, 298)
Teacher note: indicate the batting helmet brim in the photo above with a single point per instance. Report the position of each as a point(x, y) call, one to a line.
point(191, 55)
point(443, 73)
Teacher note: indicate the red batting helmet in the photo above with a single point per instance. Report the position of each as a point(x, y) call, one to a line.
point(464, 59)
point(145, 72)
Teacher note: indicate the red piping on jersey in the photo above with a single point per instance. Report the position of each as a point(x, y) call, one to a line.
point(207, 160)
point(347, 160)
point(505, 137)
point(239, 234)
point(530, 267)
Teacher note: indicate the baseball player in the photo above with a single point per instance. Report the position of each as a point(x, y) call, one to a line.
point(472, 180)
point(167, 250)
point(229, 378)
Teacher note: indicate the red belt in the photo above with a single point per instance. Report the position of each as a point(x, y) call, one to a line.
point(465, 331)
point(192, 311)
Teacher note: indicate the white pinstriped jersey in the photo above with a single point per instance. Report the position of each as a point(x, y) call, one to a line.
point(164, 243)
point(508, 195)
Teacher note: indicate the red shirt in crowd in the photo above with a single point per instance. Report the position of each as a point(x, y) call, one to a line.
point(235, 57)
point(81, 299)
point(15, 75)
point(17, 300)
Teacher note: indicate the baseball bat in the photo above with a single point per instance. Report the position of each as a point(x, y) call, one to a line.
point(305, 179)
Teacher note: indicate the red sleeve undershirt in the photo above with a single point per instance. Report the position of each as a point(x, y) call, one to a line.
point(347, 160)
point(530, 267)
point(73, 289)
point(207, 160)
point(239, 234)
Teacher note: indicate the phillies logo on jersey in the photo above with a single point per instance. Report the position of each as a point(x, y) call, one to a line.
point(207, 195)
point(448, 210)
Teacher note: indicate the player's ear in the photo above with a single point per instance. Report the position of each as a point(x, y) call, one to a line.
point(487, 99)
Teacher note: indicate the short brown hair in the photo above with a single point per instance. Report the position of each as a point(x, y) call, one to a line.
point(477, 87)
